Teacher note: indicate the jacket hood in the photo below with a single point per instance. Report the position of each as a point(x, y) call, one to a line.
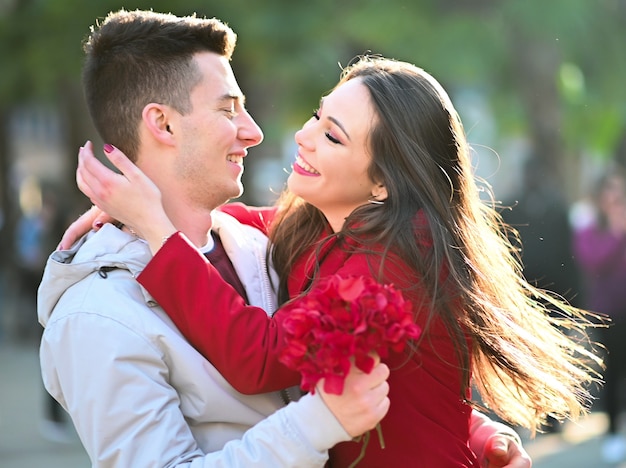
point(110, 247)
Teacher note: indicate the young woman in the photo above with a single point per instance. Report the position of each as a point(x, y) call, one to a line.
point(381, 186)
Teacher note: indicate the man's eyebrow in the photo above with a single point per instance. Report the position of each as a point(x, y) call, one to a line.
point(233, 97)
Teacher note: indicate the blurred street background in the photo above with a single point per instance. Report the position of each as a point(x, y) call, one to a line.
point(540, 86)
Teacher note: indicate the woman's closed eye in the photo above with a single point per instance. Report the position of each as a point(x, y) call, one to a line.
point(331, 138)
point(316, 114)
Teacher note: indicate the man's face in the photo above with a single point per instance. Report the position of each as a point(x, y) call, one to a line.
point(214, 136)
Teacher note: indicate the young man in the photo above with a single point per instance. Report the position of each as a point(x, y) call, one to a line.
point(193, 154)
point(162, 88)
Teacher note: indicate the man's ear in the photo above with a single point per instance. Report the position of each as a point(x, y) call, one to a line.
point(156, 118)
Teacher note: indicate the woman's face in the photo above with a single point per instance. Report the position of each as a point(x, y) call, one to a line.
point(330, 170)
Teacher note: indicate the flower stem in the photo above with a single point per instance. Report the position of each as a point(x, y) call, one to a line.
point(366, 439)
point(381, 440)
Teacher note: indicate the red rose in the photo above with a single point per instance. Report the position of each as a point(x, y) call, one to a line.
point(340, 319)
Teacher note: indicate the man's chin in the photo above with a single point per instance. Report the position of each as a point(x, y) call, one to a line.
point(236, 196)
point(233, 197)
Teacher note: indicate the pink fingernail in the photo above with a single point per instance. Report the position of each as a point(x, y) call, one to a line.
point(108, 148)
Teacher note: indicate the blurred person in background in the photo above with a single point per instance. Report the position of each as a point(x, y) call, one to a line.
point(540, 214)
point(39, 225)
point(600, 248)
point(33, 240)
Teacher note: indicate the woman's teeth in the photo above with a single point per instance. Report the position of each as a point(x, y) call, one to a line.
point(306, 166)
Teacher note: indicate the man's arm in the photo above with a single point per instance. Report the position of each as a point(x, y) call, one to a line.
point(115, 385)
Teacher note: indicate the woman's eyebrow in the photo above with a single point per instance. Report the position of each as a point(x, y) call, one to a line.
point(335, 121)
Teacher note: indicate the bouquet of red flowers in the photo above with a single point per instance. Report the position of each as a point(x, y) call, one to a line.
point(340, 319)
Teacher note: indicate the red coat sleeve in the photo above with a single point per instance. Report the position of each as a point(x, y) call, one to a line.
point(241, 341)
point(258, 217)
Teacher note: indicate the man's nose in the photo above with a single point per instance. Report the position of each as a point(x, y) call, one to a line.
point(250, 131)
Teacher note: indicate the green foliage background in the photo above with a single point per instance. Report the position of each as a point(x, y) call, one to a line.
point(554, 71)
point(290, 49)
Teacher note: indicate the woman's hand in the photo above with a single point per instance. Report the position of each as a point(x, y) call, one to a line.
point(92, 219)
point(130, 197)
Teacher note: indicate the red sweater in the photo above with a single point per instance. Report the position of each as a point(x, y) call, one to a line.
point(427, 424)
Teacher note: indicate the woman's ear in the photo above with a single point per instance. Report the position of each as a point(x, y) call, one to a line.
point(379, 192)
point(156, 118)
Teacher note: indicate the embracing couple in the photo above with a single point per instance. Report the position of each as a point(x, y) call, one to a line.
point(163, 329)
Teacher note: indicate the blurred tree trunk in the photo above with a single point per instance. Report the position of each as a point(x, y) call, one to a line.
point(535, 67)
point(77, 128)
point(7, 208)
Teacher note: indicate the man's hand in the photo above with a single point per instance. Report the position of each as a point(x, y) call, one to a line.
point(502, 451)
point(364, 401)
point(496, 445)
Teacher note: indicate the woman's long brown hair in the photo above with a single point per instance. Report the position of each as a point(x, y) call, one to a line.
point(524, 351)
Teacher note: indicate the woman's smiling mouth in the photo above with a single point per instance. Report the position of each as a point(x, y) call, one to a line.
point(303, 167)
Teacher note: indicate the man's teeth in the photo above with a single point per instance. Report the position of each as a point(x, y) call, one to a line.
point(235, 159)
point(306, 166)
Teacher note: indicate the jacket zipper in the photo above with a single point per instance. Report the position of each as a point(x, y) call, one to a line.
point(266, 284)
